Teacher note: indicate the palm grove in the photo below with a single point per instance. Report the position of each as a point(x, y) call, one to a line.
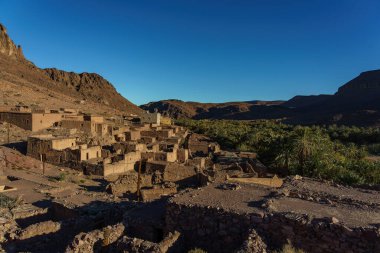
point(338, 153)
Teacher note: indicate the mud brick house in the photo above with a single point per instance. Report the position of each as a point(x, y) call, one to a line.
point(160, 156)
point(129, 146)
point(164, 146)
point(93, 118)
point(148, 139)
point(132, 135)
point(58, 149)
point(174, 140)
point(87, 123)
point(166, 121)
point(202, 146)
point(154, 147)
point(85, 153)
point(41, 144)
point(122, 164)
point(33, 121)
point(182, 155)
point(172, 172)
point(151, 118)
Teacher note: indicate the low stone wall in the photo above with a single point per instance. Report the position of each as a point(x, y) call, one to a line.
point(177, 172)
point(216, 230)
point(207, 228)
point(41, 228)
point(128, 183)
point(96, 240)
point(120, 167)
point(128, 244)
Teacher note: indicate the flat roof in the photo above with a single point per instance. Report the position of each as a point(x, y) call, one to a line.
point(50, 137)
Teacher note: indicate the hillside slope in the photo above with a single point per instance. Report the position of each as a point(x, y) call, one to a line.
point(229, 110)
point(22, 82)
point(355, 103)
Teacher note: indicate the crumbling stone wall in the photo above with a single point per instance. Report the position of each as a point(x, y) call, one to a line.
point(41, 228)
point(129, 162)
point(128, 244)
point(317, 235)
point(86, 168)
point(207, 228)
point(217, 230)
point(253, 244)
point(96, 240)
point(180, 173)
point(128, 183)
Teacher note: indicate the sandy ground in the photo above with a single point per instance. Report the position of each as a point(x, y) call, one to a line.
point(251, 198)
point(57, 183)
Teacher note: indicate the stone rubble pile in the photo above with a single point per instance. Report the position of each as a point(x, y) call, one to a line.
point(216, 230)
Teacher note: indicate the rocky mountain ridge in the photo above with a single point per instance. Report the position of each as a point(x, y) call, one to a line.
point(355, 103)
point(92, 91)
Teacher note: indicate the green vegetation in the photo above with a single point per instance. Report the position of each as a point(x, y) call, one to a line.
point(8, 202)
point(61, 177)
point(335, 153)
point(288, 248)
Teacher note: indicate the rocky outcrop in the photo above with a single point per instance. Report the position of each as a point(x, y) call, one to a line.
point(96, 240)
point(90, 86)
point(52, 87)
point(173, 108)
point(8, 47)
point(366, 81)
point(231, 110)
point(253, 244)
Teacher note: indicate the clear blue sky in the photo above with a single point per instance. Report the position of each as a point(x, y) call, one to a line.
point(199, 50)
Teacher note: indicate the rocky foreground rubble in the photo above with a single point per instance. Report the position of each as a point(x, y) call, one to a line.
point(312, 215)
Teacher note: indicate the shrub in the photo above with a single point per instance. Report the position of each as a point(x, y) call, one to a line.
point(8, 202)
point(60, 177)
point(288, 248)
point(197, 250)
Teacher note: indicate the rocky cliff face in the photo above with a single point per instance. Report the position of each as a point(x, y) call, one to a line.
point(90, 86)
point(8, 47)
point(173, 108)
point(368, 81)
point(17, 71)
